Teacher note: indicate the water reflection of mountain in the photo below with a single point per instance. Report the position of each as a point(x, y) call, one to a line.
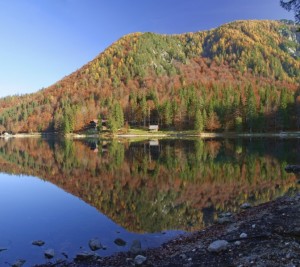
point(156, 185)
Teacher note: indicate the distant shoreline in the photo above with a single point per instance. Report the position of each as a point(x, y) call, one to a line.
point(216, 135)
point(162, 134)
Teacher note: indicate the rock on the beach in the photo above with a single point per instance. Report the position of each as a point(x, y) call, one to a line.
point(225, 217)
point(136, 247)
point(182, 256)
point(139, 260)
point(49, 253)
point(224, 220)
point(218, 246)
point(18, 263)
point(246, 206)
point(95, 244)
point(129, 261)
point(243, 235)
point(237, 243)
point(294, 231)
point(38, 243)
point(83, 256)
point(225, 214)
point(120, 242)
point(65, 255)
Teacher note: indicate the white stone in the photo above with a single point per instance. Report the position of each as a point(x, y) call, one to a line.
point(237, 243)
point(139, 260)
point(243, 235)
point(246, 206)
point(218, 246)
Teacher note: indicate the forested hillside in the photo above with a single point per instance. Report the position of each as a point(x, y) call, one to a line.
point(242, 76)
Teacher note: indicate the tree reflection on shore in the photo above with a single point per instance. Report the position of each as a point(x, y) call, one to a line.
point(157, 185)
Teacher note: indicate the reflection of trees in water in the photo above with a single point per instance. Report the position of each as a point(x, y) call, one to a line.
point(165, 184)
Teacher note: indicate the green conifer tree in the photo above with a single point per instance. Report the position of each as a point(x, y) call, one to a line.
point(250, 109)
point(198, 124)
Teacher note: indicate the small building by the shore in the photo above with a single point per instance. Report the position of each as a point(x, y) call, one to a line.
point(153, 128)
point(93, 124)
point(5, 134)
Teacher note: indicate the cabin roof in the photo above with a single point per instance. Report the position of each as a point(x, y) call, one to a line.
point(153, 127)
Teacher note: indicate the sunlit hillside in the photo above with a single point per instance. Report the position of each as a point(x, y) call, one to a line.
point(242, 76)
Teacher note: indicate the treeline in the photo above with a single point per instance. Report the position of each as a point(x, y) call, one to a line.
point(216, 107)
point(177, 81)
point(219, 108)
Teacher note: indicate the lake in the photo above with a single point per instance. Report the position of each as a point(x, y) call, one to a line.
point(67, 192)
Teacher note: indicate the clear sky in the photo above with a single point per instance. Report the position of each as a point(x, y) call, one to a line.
point(41, 41)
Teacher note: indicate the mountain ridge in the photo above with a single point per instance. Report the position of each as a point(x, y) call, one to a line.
point(153, 68)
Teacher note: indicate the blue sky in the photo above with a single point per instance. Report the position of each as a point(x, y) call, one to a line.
point(41, 41)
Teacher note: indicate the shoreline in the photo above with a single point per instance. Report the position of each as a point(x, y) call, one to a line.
point(264, 235)
point(159, 135)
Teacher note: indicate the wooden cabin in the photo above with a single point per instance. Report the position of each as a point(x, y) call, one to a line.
point(93, 124)
point(153, 128)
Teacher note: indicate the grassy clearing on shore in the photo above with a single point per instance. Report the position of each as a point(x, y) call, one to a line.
point(193, 133)
point(144, 133)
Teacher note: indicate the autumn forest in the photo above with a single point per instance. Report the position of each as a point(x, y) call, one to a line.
point(241, 77)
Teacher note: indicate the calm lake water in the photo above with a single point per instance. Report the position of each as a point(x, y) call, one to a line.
point(67, 192)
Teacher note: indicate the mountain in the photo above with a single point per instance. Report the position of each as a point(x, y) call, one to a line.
point(242, 76)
